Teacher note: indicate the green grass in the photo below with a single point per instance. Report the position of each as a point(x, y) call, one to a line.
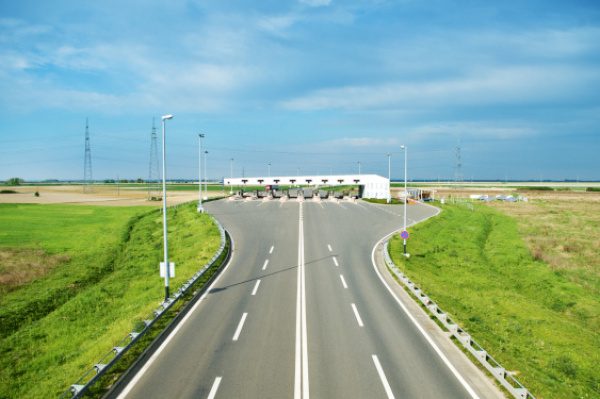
point(394, 201)
point(88, 303)
point(532, 319)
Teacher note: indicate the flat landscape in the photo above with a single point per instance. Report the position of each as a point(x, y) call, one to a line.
point(128, 194)
point(523, 279)
point(75, 279)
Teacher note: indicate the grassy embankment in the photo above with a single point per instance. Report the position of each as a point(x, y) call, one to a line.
point(94, 278)
point(535, 319)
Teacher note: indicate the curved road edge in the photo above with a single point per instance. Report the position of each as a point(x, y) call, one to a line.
point(134, 373)
point(474, 380)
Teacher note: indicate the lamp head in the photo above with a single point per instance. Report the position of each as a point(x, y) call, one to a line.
point(201, 135)
point(402, 147)
point(164, 117)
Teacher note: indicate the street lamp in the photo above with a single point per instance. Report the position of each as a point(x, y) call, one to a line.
point(164, 187)
point(359, 168)
point(230, 176)
point(269, 169)
point(405, 233)
point(205, 177)
point(389, 198)
point(200, 137)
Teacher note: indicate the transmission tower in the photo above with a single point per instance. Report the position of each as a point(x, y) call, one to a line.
point(87, 162)
point(458, 176)
point(153, 176)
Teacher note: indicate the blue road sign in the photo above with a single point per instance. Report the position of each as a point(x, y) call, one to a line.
point(404, 234)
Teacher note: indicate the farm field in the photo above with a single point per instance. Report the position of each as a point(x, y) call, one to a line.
point(523, 279)
point(93, 277)
point(129, 194)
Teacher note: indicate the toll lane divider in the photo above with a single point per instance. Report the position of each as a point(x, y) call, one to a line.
point(504, 377)
point(92, 375)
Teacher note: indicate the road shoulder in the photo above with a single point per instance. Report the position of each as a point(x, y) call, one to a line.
point(483, 385)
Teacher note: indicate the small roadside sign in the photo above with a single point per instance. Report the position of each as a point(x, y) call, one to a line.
point(171, 269)
point(404, 234)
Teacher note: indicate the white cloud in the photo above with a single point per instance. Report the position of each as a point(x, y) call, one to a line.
point(486, 129)
point(516, 85)
point(277, 24)
point(316, 3)
point(358, 142)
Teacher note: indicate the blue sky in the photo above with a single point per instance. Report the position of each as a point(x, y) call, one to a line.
point(311, 85)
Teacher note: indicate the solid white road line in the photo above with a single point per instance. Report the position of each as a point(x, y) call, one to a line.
point(335, 261)
point(301, 386)
point(255, 287)
point(265, 265)
point(271, 250)
point(437, 350)
point(156, 354)
point(329, 247)
point(358, 319)
point(384, 381)
point(343, 281)
point(215, 387)
point(239, 327)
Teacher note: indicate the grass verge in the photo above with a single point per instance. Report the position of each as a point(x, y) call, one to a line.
point(111, 280)
point(534, 321)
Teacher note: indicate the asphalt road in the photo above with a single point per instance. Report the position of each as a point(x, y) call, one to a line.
point(300, 312)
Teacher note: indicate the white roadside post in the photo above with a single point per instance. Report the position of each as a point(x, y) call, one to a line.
point(200, 137)
point(405, 232)
point(166, 264)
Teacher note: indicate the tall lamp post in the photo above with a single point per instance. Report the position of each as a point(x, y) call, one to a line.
point(200, 137)
point(205, 176)
point(389, 198)
point(230, 176)
point(164, 187)
point(269, 169)
point(405, 232)
point(358, 168)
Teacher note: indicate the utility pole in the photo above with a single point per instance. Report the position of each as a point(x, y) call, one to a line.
point(200, 137)
point(87, 162)
point(153, 175)
point(164, 189)
point(389, 199)
point(230, 175)
point(458, 177)
point(405, 232)
point(205, 176)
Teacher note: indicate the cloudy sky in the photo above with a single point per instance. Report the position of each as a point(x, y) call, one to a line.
point(313, 86)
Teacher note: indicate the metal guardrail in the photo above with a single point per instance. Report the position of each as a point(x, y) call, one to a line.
point(504, 377)
point(80, 387)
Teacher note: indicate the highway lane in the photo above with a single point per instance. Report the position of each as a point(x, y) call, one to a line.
point(260, 362)
point(248, 338)
point(411, 367)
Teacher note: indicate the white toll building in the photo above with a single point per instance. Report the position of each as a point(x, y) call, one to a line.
point(369, 186)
